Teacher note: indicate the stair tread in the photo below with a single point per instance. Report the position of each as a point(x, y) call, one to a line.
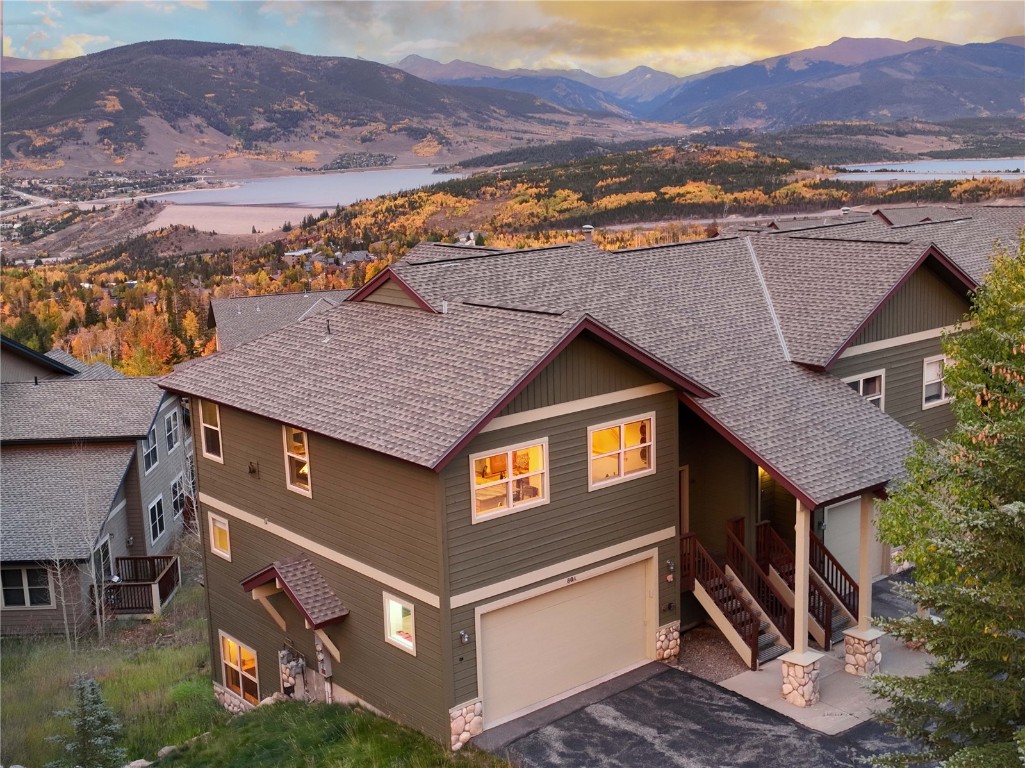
point(772, 652)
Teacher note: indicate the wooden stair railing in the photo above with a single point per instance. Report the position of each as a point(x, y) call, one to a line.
point(696, 561)
point(757, 583)
point(772, 550)
point(833, 574)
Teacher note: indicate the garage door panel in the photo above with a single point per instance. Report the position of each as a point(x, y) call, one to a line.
point(539, 648)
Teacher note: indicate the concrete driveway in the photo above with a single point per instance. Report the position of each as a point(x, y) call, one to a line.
point(670, 718)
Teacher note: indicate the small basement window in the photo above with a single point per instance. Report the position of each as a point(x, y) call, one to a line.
point(399, 629)
point(238, 666)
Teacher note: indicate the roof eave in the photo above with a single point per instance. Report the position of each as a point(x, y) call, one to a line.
point(380, 279)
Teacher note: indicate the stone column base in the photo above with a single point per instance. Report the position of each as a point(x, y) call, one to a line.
point(667, 643)
point(801, 677)
point(862, 653)
point(467, 722)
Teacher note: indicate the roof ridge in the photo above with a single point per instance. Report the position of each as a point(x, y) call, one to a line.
point(705, 240)
point(854, 240)
point(282, 293)
point(768, 299)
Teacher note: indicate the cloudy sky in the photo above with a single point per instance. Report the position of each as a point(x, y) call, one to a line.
point(606, 38)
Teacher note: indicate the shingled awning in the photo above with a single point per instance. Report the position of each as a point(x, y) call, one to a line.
point(308, 590)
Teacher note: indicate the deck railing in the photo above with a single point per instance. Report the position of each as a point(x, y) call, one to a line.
point(146, 584)
point(833, 574)
point(772, 550)
point(757, 583)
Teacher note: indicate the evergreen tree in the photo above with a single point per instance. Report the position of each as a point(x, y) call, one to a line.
point(96, 731)
point(960, 514)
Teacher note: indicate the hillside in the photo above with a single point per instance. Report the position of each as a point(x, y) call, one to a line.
point(188, 104)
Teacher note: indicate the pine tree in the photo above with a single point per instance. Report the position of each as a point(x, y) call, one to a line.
point(96, 731)
point(960, 514)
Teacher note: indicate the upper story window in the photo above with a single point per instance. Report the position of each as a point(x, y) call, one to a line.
point(297, 460)
point(172, 430)
point(934, 391)
point(26, 588)
point(102, 567)
point(869, 386)
point(510, 479)
point(149, 449)
point(399, 629)
point(621, 450)
point(220, 536)
point(210, 420)
point(157, 522)
point(238, 666)
point(178, 495)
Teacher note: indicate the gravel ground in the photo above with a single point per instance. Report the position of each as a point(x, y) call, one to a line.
point(705, 653)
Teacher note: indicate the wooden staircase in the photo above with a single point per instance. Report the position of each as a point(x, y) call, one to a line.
point(729, 604)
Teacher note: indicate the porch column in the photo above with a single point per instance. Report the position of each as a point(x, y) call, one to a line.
point(800, 667)
point(862, 653)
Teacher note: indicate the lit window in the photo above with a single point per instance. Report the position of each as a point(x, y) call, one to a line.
point(178, 495)
point(149, 449)
point(934, 391)
point(869, 386)
point(172, 431)
point(238, 664)
point(510, 479)
point(26, 588)
point(156, 520)
point(398, 623)
point(220, 540)
point(621, 450)
point(210, 418)
point(297, 460)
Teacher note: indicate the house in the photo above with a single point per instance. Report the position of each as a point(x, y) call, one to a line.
point(291, 258)
point(241, 319)
point(90, 492)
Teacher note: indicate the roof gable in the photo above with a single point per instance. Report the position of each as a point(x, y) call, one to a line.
point(387, 287)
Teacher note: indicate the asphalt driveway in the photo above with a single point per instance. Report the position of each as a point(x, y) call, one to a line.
point(677, 720)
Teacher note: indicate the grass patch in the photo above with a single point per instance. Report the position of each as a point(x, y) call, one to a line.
point(298, 735)
point(155, 676)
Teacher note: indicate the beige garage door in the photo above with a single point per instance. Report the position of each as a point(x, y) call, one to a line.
point(842, 536)
point(538, 649)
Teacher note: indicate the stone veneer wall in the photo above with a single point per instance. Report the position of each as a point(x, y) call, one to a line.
point(467, 721)
point(230, 701)
point(800, 683)
point(667, 642)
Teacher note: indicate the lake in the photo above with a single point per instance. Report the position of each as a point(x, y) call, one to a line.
point(926, 170)
point(316, 190)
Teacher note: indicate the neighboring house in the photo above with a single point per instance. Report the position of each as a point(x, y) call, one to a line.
point(244, 318)
point(97, 478)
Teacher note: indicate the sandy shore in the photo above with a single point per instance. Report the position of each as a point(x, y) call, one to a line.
point(230, 219)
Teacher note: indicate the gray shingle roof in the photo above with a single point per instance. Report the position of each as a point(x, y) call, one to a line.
point(67, 359)
point(901, 215)
point(244, 318)
point(56, 497)
point(305, 587)
point(400, 381)
point(78, 409)
point(85, 370)
point(701, 308)
point(823, 290)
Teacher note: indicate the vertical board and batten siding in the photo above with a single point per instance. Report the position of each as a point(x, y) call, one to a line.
point(157, 483)
point(375, 509)
point(723, 482)
point(390, 292)
point(902, 384)
point(405, 687)
point(584, 369)
point(924, 302)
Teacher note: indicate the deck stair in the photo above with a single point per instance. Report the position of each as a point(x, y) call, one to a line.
point(729, 605)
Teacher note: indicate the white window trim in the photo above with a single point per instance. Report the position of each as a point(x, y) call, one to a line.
point(99, 546)
point(593, 486)
point(202, 431)
point(149, 518)
point(307, 458)
point(211, 519)
point(154, 447)
point(24, 585)
point(512, 508)
point(881, 373)
point(180, 479)
point(409, 648)
point(946, 398)
point(173, 416)
point(221, 634)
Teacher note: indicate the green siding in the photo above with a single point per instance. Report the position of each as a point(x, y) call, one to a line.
point(902, 384)
point(405, 687)
point(584, 369)
point(376, 509)
point(924, 302)
point(575, 521)
point(390, 292)
point(723, 482)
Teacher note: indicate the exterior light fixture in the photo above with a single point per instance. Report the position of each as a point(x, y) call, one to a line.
point(464, 637)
